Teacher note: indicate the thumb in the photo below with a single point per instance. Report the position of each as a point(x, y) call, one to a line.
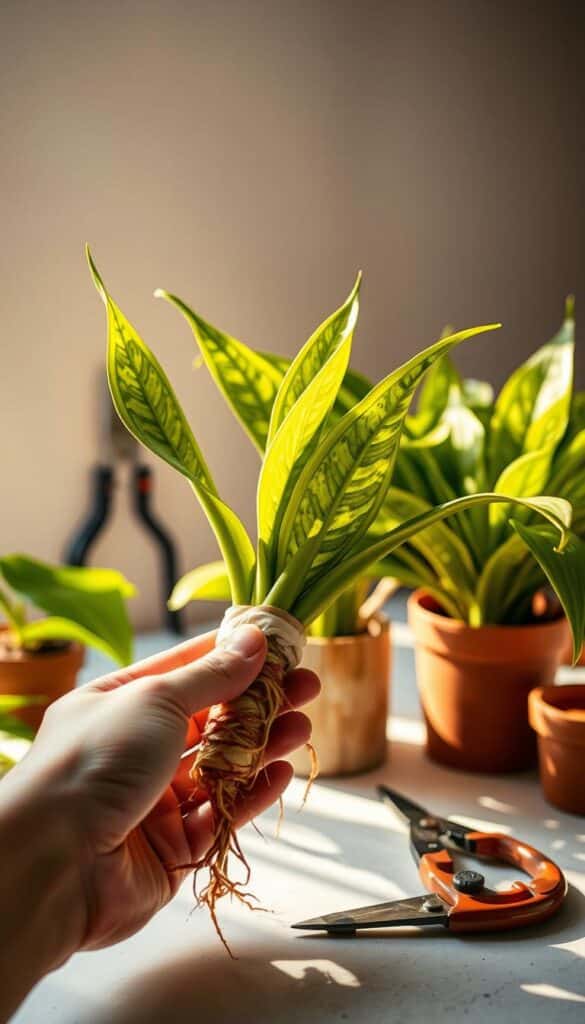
point(219, 676)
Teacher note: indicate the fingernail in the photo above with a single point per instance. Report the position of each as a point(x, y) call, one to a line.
point(245, 641)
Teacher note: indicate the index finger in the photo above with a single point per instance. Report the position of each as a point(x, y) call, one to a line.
point(165, 661)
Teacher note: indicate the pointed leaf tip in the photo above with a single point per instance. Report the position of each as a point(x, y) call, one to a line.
point(96, 276)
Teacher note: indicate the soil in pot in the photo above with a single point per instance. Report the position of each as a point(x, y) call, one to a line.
point(557, 714)
point(474, 685)
point(349, 715)
point(49, 673)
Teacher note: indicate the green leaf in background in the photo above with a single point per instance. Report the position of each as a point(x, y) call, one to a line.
point(478, 396)
point(10, 725)
point(565, 571)
point(331, 582)
point(249, 381)
point(466, 447)
point(441, 548)
point(526, 475)
point(355, 386)
point(207, 583)
point(532, 409)
point(304, 400)
point(433, 395)
point(146, 403)
point(568, 473)
point(504, 582)
point(343, 484)
point(86, 599)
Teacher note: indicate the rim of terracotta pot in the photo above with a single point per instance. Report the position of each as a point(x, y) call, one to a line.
point(558, 712)
point(71, 649)
point(498, 643)
point(378, 621)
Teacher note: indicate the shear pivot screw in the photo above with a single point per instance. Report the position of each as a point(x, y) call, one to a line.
point(468, 881)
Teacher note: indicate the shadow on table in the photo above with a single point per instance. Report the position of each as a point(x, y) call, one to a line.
point(357, 979)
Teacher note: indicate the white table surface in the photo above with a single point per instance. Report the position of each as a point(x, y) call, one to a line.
point(345, 850)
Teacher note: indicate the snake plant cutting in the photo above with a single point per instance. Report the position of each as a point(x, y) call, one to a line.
point(324, 477)
point(85, 605)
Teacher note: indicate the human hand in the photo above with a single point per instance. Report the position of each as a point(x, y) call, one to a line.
point(110, 759)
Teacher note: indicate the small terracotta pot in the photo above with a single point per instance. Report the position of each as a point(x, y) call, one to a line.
point(49, 674)
point(474, 685)
point(349, 715)
point(557, 714)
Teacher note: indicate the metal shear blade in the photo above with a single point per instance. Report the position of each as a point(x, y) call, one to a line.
point(418, 910)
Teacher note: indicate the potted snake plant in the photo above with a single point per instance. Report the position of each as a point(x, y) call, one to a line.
point(320, 489)
point(40, 657)
point(486, 631)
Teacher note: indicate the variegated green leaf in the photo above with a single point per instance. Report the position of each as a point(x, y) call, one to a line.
point(143, 396)
point(305, 398)
point(207, 583)
point(335, 579)
point(333, 335)
point(249, 381)
point(532, 409)
point(343, 484)
point(147, 404)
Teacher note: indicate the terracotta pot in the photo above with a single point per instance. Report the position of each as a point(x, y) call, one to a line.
point(48, 674)
point(474, 685)
point(349, 715)
point(557, 714)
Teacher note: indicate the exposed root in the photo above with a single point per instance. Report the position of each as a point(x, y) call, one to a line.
point(313, 773)
point(227, 765)
point(228, 762)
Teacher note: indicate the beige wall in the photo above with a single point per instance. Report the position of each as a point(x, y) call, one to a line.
point(251, 156)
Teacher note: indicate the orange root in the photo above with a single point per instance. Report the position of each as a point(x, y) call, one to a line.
point(228, 762)
point(227, 765)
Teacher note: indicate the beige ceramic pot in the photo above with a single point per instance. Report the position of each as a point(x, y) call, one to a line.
point(49, 674)
point(349, 715)
point(474, 685)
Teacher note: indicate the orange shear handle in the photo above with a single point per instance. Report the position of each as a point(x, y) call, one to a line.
point(490, 910)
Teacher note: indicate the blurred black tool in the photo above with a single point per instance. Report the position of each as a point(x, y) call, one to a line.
point(119, 446)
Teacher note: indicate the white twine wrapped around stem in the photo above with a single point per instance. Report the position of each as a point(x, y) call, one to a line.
point(286, 632)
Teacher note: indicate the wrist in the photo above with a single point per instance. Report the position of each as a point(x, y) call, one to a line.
point(41, 883)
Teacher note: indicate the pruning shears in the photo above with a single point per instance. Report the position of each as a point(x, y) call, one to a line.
point(457, 900)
